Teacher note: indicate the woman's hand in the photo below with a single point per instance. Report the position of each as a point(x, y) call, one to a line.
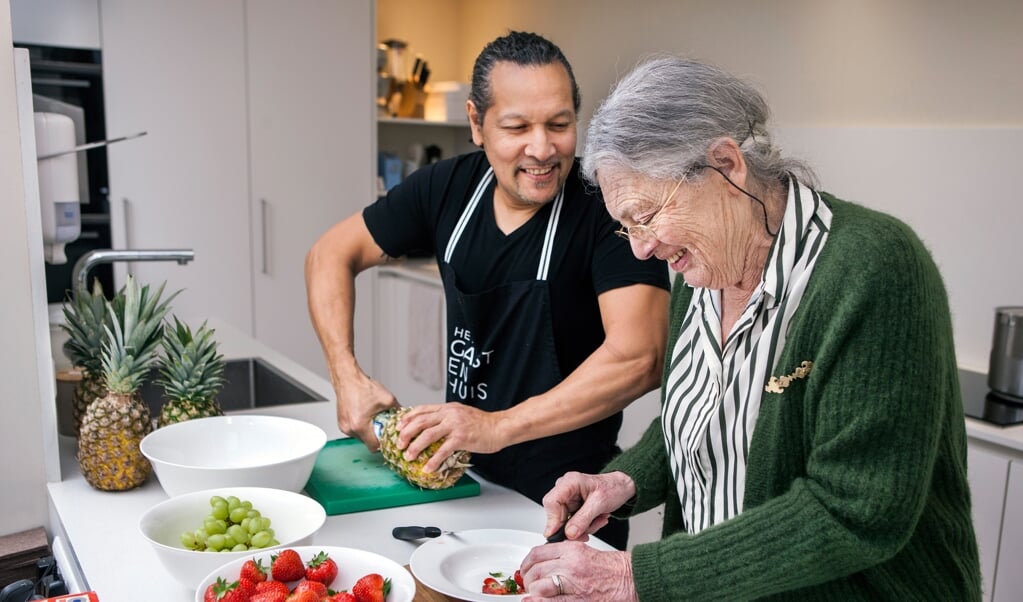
point(573, 570)
point(586, 501)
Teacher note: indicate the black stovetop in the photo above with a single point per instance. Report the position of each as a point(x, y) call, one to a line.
point(980, 403)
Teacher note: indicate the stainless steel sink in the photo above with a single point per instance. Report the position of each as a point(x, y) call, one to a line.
point(251, 383)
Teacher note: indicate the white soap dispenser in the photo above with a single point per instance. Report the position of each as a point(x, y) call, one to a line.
point(58, 184)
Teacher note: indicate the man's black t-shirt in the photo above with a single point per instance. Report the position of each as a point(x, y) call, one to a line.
point(418, 217)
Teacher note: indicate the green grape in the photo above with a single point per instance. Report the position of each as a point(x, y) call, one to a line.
point(216, 542)
point(217, 499)
point(229, 542)
point(188, 540)
point(220, 510)
point(213, 525)
point(200, 537)
point(252, 525)
point(261, 539)
point(238, 514)
point(253, 513)
point(240, 548)
point(238, 533)
point(233, 502)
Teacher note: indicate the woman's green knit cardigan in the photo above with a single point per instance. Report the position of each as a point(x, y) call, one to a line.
point(856, 478)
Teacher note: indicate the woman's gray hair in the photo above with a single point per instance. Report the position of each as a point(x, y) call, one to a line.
point(661, 119)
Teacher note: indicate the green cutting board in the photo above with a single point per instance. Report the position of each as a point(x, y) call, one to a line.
point(347, 477)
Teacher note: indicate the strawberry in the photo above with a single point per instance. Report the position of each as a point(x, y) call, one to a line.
point(269, 596)
point(303, 596)
point(518, 581)
point(254, 570)
point(371, 588)
point(341, 597)
point(287, 566)
point(274, 588)
point(313, 586)
point(222, 591)
point(494, 587)
point(321, 568)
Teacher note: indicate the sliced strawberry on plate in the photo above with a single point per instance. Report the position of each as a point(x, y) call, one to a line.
point(341, 597)
point(321, 568)
point(494, 587)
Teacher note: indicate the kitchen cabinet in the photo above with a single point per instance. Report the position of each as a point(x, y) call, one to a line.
point(988, 473)
point(1008, 579)
point(311, 107)
point(177, 71)
point(259, 121)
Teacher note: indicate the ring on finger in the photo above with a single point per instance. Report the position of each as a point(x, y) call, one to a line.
point(557, 583)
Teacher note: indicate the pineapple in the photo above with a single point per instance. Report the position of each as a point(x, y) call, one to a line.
point(385, 424)
point(191, 374)
point(114, 425)
point(84, 315)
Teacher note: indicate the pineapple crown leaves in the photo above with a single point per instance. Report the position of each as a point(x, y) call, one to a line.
point(84, 315)
point(133, 331)
point(191, 368)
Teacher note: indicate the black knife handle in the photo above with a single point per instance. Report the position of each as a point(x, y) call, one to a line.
point(558, 535)
point(414, 533)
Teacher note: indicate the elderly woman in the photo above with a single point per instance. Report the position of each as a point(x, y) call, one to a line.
point(811, 443)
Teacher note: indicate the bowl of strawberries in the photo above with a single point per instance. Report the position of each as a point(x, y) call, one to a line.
point(309, 574)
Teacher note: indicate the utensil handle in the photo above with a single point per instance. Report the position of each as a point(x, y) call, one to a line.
point(558, 535)
point(413, 533)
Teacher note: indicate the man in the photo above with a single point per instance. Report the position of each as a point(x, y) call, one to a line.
point(553, 325)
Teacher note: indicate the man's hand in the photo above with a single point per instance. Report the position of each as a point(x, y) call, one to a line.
point(462, 427)
point(358, 401)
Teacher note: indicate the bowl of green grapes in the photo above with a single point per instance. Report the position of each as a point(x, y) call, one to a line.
point(194, 533)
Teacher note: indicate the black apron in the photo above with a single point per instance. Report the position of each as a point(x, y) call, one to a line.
point(501, 351)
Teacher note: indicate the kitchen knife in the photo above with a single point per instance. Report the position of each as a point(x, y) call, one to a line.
point(412, 533)
point(559, 535)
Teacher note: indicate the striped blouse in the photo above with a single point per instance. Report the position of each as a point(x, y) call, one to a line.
point(712, 394)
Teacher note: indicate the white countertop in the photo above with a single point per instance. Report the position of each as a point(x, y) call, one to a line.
point(102, 527)
point(117, 562)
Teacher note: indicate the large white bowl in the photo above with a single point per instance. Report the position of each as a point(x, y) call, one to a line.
point(294, 519)
point(351, 563)
point(234, 451)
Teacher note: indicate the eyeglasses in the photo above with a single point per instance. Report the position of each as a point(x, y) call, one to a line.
point(645, 232)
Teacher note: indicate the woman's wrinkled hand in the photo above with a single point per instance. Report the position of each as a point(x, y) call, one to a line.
point(572, 570)
point(586, 501)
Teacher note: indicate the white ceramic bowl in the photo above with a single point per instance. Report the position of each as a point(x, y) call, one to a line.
point(293, 517)
point(352, 564)
point(234, 451)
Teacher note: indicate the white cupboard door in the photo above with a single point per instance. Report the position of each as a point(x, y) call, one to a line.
point(311, 104)
point(1009, 580)
point(176, 70)
point(987, 473)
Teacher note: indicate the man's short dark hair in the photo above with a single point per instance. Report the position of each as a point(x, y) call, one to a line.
point(520, 48)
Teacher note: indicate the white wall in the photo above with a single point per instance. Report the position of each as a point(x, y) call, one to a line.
point(23, 503)
point(68, 23)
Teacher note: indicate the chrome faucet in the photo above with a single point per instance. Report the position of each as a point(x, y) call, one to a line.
point(80, 273)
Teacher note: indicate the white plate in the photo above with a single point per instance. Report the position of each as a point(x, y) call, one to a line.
point(457, 564)
point(352, 564)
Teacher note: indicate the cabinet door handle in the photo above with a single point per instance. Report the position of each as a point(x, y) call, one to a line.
point(126, 211)
point(264, 210)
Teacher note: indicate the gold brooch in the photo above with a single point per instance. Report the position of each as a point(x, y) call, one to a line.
point(777, 384)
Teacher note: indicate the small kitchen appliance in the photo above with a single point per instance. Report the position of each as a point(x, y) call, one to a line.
point(1005, 371)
